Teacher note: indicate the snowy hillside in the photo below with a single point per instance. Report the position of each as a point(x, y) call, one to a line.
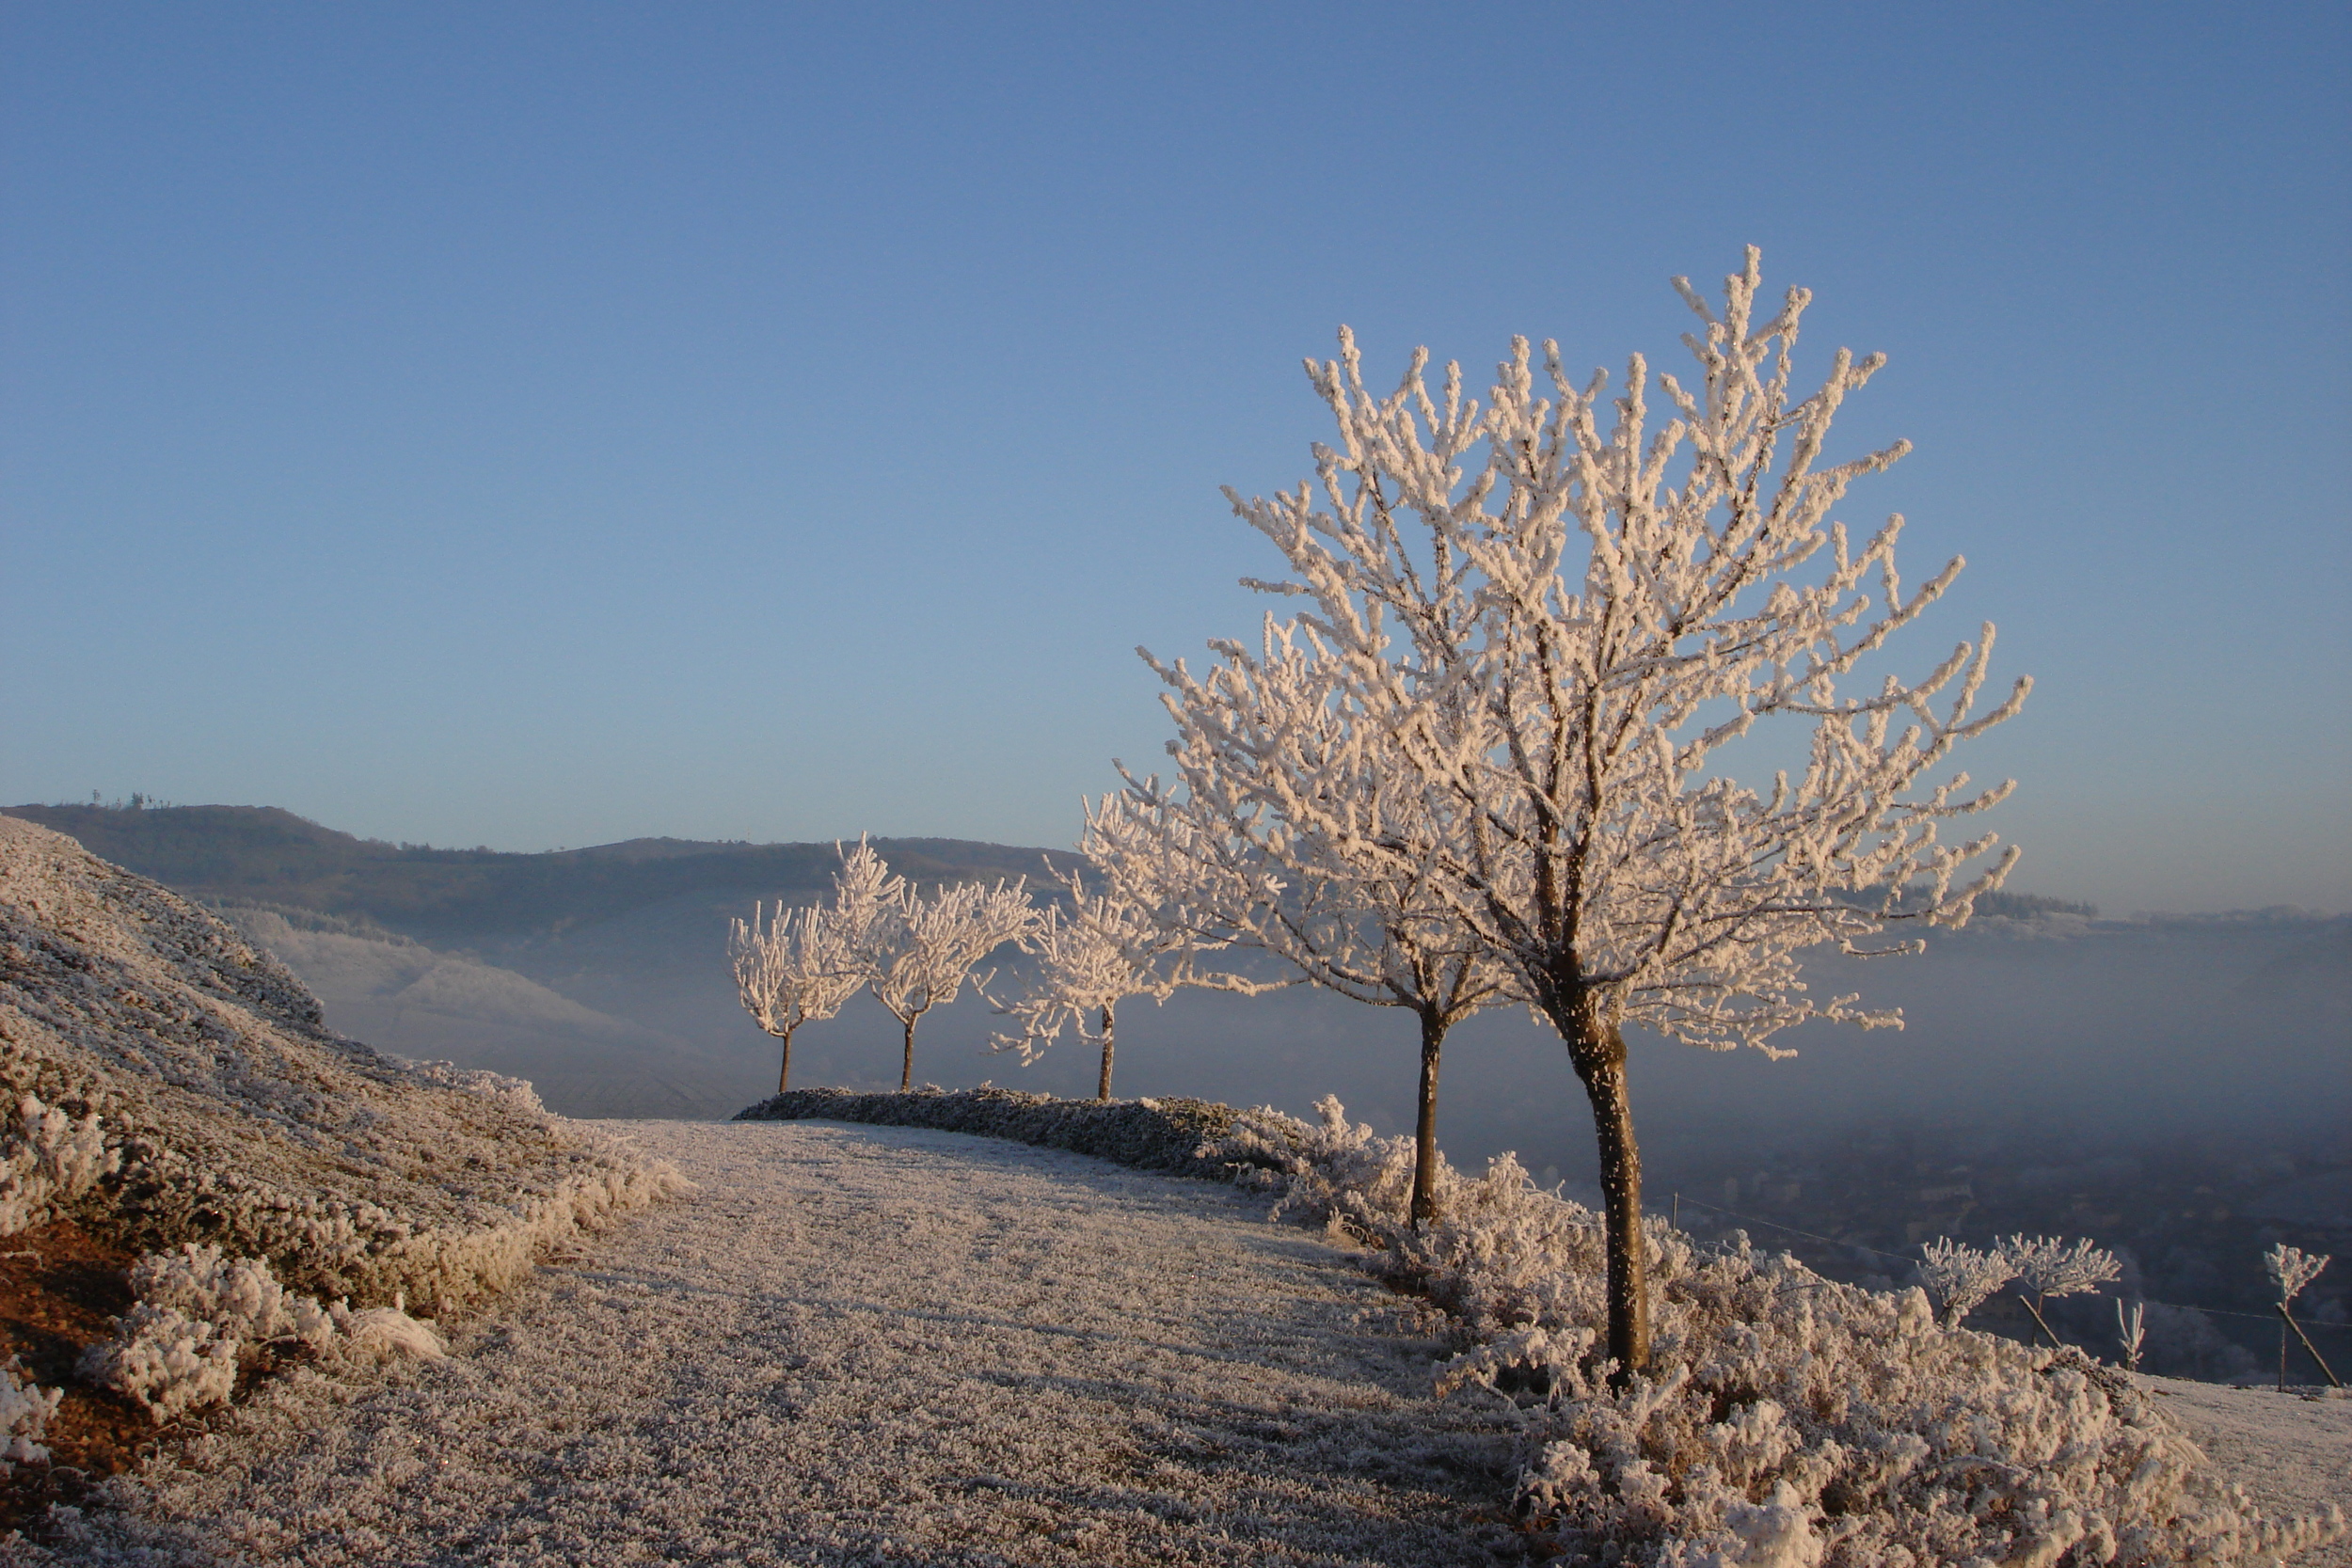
point(233, 1115)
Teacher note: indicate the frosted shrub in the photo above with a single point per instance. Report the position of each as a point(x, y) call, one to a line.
point(1784, 1421)
point(197, 1312)
point(1960, 1277)
point(517, 1092)
point(48, 1161)
point(1329, 1173)
point(163, 1358)
point(25, 1410)
point(239, 1296)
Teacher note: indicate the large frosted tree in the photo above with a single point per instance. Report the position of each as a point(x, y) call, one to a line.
point(1552, 616)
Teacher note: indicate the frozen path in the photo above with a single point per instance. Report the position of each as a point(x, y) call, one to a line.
point(881, 1345)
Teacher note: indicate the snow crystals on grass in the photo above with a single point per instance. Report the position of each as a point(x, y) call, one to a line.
point(176, 1082)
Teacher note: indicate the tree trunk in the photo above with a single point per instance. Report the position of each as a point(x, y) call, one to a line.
point(784, 1070)
point(1425, 1130)
point(1597, 1049)
point(906, 1073)
point(1102, 1090)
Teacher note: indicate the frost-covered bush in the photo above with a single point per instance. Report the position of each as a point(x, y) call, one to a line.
point(1150, 1135)
point(239, 1297)
point(1784, 1421)
point(49, 1161)
point(163, 1358)
point(199, 1313)
point(1960, 1277)
point(517, 1092)
point(25, 1410)
point(1329, 1173)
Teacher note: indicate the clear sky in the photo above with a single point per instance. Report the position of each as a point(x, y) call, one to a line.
point(541, 425)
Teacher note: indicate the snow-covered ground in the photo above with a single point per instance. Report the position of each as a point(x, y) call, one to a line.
point(878, 1345)
point(2292, 1453)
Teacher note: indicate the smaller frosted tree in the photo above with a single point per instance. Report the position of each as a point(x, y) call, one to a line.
point(1110, 946)
point(2049, 1267)
point(2290, 1270)
point(1304, 882)
point(919, 951)
point(792, 969)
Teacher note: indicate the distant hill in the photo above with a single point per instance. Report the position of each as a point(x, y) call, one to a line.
point(266, 855)
point(600, 974)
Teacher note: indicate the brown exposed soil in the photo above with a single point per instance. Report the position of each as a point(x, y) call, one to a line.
point(57, 1289)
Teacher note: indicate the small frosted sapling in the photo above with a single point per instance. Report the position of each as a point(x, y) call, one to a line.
point(1109, 945)
point(2049, 1267)
point(1960, 1277)
point(917, 951)
point(792, 969)
point(2130, 1331)
point(2290, 1270)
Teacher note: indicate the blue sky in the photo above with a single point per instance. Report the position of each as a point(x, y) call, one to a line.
point(540, 425)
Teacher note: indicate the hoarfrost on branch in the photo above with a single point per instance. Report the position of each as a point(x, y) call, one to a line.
point(1960, 1277)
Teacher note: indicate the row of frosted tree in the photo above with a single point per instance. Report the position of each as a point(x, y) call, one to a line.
point(914, 951)
point(1486, 761)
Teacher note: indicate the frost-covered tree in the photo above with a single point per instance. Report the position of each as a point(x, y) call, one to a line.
point(917, 951)
point(1278, 725)
point(1960, 1277)
point(2050, 1267)
point(1556, 613)
point(2290, 1270)
point(791, 969)
point(1123, 940)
